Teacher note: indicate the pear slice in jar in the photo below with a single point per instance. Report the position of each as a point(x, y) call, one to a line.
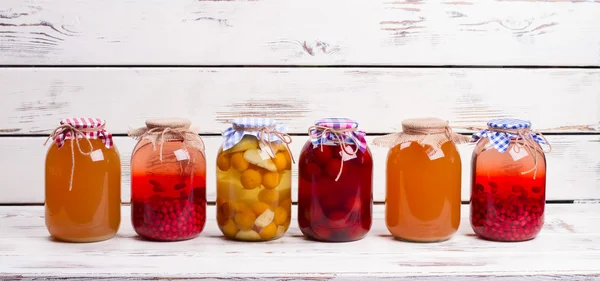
point(278, 147)
point(285, 185)
point(230, 189)
point(247, 142)
point(254, 157)
point(248, 235)
point(264, 219)
point(280, 231)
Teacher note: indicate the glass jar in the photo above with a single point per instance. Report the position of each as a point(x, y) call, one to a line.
point(335, 186)
point(508, 181)
point(168, 181)
point(254, 180)
point(423, 183)
point(82, 182)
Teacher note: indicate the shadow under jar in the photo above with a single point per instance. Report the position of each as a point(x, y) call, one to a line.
point(508, 185)
point(423, 183)
point(335, 183)
point(254, 181)
point(168, 181)
point(82, 182)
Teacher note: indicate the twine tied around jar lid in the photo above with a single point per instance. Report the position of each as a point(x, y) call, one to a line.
point(318, 131)
point(160, 130)
point(525, 138)
point(85, 128)
point(267, 130)
point(425, 131)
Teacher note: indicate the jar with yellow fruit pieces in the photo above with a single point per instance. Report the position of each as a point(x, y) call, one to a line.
point(254, 180)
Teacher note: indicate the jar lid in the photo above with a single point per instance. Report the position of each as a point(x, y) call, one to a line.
point(330, 130)
point(424, 123)
point(83, 123)
point(168, 123)
point(77, 127)
point(248, 123)
point(509, 124)
point(241, 127)
point(337, 123)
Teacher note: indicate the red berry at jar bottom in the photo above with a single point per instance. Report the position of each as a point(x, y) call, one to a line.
point(169, 219)
point(512, 212)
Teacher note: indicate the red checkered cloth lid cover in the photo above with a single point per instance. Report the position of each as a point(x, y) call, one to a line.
point(90, 128)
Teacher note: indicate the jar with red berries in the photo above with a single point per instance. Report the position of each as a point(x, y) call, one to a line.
point(254, 180)
point(335, 186)
point(508, 187)
point(168, 181)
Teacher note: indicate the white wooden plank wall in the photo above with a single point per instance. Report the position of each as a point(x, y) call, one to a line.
point(557, 99)
point(308, 32)
point(141, 59)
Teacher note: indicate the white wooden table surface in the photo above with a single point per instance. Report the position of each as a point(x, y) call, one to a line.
point(568, 248)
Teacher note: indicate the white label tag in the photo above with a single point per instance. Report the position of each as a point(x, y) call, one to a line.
point(97, 155)
point(405, 145)
point(265, 152)
point(434, 153)
point(345, 154)
point(518, 155)
point(181, 154)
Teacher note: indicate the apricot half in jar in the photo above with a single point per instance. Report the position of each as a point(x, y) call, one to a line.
point(269, 196)
point(281, 215)
point(271, 180)
point(280, 161)
point(269, 231)
point(223, 162)
point(238, 162)
point(259, 207)
point(245, 220)
point(229, 229)
point(251, 179)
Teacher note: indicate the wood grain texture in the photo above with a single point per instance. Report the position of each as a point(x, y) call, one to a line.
point(309, 32)
point(567, 249)
point(556, 100)
point(573, 168)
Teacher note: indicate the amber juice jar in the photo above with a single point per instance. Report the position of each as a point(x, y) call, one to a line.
point(82, 182)
point(423, 181)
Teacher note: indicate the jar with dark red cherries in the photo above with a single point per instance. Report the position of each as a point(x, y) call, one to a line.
point(508, 181)
point(168, 181)
point(335, 182)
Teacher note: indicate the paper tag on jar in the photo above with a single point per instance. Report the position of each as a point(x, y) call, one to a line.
point(434, 153)
point(345, 153)
point(181, 154)
point(405, 145)
point(518, 155)
point(97, 155)
point(265, 151)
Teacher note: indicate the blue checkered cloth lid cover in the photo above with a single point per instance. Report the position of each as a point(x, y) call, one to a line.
point(232, 135)
point(318, 135)
point(501, 140)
